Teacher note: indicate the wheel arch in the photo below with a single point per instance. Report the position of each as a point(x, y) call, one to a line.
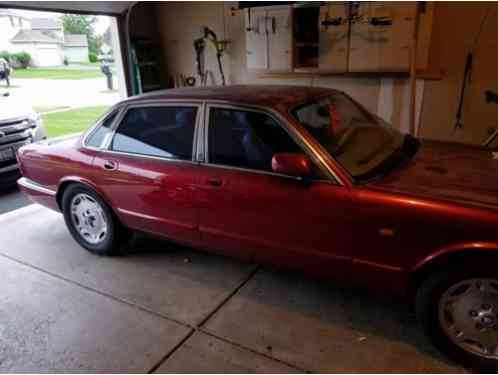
point(467, 253)
point(67, 181)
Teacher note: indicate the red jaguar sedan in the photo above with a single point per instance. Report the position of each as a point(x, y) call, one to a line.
point(303, 178)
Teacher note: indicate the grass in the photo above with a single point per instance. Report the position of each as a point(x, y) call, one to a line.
point(72, 121)
point(56, 73)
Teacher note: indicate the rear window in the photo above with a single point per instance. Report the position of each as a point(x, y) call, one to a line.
point(100, 134)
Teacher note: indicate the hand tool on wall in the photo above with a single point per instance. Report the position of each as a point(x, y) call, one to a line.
point(200, 46)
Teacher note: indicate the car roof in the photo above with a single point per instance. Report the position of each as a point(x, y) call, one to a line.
point(259, 95)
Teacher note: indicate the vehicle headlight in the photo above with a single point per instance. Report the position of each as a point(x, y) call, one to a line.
point(35, 120)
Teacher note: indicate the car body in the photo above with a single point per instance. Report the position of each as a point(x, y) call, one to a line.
point(426, 209)
point(19, 125)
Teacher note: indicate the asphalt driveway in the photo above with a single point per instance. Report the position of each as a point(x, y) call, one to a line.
point(11, 199)
point(166, 308)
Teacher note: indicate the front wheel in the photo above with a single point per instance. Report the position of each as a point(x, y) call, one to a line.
point(458, 310)
point(91, 222)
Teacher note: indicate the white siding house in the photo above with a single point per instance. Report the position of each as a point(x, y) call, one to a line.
point(11, 22)
point(44, 50)
point(76, 48)
point(42, 38)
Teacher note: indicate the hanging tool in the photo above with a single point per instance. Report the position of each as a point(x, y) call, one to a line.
point(467, 74)
point(466, 79)
point(200, 46)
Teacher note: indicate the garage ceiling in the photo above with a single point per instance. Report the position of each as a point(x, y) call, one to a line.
point(90, 7)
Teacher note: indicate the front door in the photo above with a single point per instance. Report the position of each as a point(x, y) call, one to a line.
point(148, 171)
point(246, 210)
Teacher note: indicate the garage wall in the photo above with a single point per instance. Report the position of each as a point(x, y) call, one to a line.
point(180, 23)
point(455, 33)
point(445, 40)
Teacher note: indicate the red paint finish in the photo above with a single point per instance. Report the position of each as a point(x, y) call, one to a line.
point(444, 201)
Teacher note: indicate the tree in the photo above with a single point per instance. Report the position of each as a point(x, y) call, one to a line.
point(79, 24)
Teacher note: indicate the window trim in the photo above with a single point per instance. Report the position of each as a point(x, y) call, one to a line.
point(332, 178)
point(183, 103)
point(89, 133)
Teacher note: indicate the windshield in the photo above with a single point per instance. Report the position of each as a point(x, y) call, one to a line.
point(359, 141)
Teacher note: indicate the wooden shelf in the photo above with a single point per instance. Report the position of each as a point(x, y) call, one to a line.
point(310, 72)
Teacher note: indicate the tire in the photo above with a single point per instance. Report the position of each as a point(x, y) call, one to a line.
point(462, 284)
point(110, 234)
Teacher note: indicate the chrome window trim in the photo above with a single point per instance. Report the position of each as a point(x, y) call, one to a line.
point(140, 104)
point(29, 184)
point(289, 129)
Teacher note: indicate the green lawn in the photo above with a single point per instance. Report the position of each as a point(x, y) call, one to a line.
point(54, 73)
point(72, 121)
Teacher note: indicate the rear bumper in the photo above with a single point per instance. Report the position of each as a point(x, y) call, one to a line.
point(39, 193)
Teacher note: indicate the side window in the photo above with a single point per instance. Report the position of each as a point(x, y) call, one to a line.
point(246, 139)
point(157, 131)
point(97, 138)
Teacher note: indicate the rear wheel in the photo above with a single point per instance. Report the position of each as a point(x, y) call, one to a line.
point(458, 310)
point(91, 222)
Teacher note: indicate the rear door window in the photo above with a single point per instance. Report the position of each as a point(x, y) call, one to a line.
point(161, 131)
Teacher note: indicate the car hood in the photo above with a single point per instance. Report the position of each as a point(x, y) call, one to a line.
point(14, 108)
point(464, 174)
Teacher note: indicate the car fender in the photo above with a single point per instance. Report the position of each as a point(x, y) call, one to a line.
point(444, 255)
point(84, 181)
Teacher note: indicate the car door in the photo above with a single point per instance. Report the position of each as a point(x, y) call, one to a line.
point(147, 170)
point(248, 211)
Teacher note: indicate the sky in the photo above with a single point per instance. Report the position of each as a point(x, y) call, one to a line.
point(100, 26)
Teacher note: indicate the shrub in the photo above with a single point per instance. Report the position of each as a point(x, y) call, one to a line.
point(5, 55)
point(23, 58)
point(92, 56)
point(65, 61)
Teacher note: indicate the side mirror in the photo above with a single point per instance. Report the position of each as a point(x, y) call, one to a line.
point(292, 164)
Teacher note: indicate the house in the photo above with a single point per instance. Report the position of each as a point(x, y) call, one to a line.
point(42, 38)
point(44, 49)
point(11, 22)
point(75, 47)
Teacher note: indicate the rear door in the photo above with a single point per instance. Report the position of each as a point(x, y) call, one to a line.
point(248, 211)
point(148, 171)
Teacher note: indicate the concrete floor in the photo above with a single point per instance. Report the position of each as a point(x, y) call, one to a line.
point(165, 308)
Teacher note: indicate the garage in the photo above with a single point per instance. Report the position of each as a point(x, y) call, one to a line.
point(348, 203)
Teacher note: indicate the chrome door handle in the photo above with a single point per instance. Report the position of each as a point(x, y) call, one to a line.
point(110, 165)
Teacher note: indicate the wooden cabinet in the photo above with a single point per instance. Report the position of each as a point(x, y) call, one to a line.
point(256, 39)
point(338, 37)
point(269, 39)
point(333, 38)
point(378, 48)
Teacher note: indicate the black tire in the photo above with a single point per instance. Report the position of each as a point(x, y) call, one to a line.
point(427, 307)
point(116, 235)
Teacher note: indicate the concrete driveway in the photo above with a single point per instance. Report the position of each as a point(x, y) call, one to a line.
point(64, 93)
point(166, 308)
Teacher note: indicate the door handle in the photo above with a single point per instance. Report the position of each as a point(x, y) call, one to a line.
point(215, 182)
point(110, 165)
